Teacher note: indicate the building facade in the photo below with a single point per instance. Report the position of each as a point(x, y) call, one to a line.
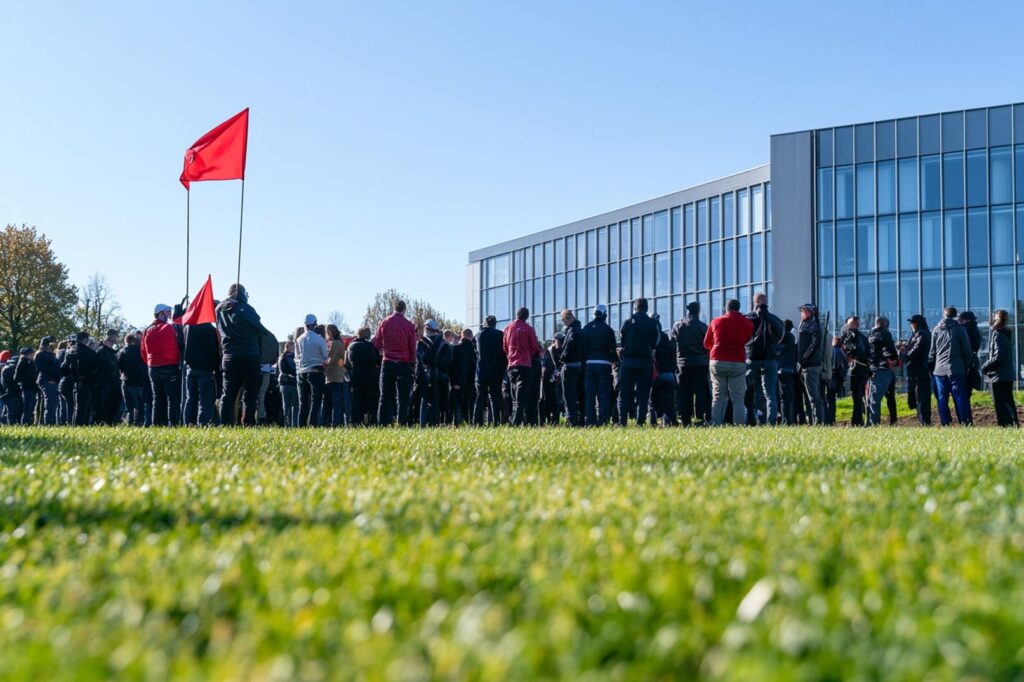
point(891, 218)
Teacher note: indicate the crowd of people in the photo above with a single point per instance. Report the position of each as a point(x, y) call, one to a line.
point(748, 368)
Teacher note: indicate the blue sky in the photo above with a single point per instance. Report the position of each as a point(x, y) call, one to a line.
point(389, 139)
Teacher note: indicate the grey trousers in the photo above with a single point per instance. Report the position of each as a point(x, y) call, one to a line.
point(812, 384)
point(728, 382)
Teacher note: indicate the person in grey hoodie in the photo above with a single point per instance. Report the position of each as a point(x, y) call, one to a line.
point(310, 358)
point(999, 369)
point(950, 358)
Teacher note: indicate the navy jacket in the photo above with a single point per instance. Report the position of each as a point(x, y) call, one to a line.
point(490, 357)
point(808, 345)
point(639, 338)
point(363, 360)
point(598, 341)
point(133, 369)
point(240, 328)
point(689, 334)
point(572, 344)
point(49, 368)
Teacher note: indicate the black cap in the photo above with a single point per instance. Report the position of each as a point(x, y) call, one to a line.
point(693, 307)
point(918, 319)
point(46, 341)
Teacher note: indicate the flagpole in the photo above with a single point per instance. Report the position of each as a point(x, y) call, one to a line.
point(241, 212)
point(188, 233)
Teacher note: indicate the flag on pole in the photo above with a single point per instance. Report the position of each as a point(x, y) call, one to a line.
point(220, 153)
point(200, 311)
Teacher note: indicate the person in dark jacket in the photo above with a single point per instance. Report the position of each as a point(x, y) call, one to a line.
point(969, 321)
point(762, 363)
point(999, 369)
point(858, 352)
point(106, 399)
point(202, 361)
point(463, 379)
point(919, 380)
point(287, 381)
point(571, 369)
point(134, 379)
point(550, 407)
point(80, 365)
point(834, 390)
point(433, 363)
point(663, 391)
point(808, 353)
point(786, 354)
point(49, 379)
point(240, 332)
point(694, 387)
point(10, 391)
point(883, 358)
point(638, 339)
point(26, 376)
point(362, 359)
point(600, 355)
point(949, 358)
point(491, 364)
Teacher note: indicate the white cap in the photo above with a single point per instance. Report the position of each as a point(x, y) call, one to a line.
point(311, 319)
point(161, 308)
point(430, 324)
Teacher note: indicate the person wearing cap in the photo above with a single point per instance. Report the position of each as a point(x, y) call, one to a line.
point(202, 362)
point(396, 341)
point(949, 356)
point(808, 353)
point(763, 362)
point(858, 355)
point(571, 368)
point(10, 392)
point(106, 399)
point(310, 359)
point(80, 367)
point(726, 342)
point(919, 380)
point(48, 379)
point(663, 390)
point(883, 358)
point(599, 351)
point(433, 362)
point(520, 345)
point(491, 364)
point(693, 390)
point(638, 339)
point(969, 321)
point(241, 332)
point(161, 351)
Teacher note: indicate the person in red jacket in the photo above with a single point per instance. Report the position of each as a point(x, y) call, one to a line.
point(161, 351)
point(520, 345)
point(726, 340)
point(396, 341)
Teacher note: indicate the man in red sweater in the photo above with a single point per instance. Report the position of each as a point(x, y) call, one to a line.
point(161, 351)
point(396, 341)
point(726, 341)
point(520, 345)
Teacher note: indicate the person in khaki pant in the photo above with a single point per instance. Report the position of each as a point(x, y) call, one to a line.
point(726, 342)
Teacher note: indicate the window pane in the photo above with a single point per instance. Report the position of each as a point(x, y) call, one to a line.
point(689, 229)
point(953, 180)
point(846, 299)
point(716, 218)
point(977, 297)
point(931, 296)
point(570, 252)
point(888, 303)
point(1001, 176)
point(703, 276)
point(729, 263)
point(602, 285)
point(613, 242)
point(976, 129)
point(826, 296)
point(549, 258)
point(624, 240)
point(867, 303)
point(844, 145)
point(824, 194)
point(824, 147)
point(559, 292)
point(906, 139)
point(716, 265)
point(909, 303)
point(844, 192)
point(768, 256)
point(908, 184)
point(931, 241)
point(953, 244)
point(538, 294)
point(591, 248)
point(591, 286)
point(953, 131)
point(743, 260)
point(602, 245)
point(977, 182)
point(865, 189)
point(702, 220)
point(756, 259)
point(559, 255)
point(581, 250)
point(743, 211)
point(624, 291)
point(677, 273)
point(887, 244)
point(1002, 290)
point(676, 228)
point(648, 233)
point(613, 283)
point(931, 185)
point(825, 249)
point(885, 140)
point(637, 241)
point(757, 206)
point(846, 248)
point(956, 288)
point(729, 214)
point(1019, 176)
point(999, 126)
point(908, 242)
point(886, 187)
point(928, 134)
point(865, 142)
point(638, 288)
point(1002, 235)
point(549, 294)
point(977, 236)
point(690, 270)
point(662, 276)
point(768, 205)
point(866, 245)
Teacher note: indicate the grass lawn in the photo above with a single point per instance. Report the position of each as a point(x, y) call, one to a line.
point(979, 399)
point(511, 554)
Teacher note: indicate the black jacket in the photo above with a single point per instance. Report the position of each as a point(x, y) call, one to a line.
point(808, 347)
point(490, 358)
point(665, 355)
point(433, 357)
point(363, 361)
point(950, 351)
point(25, 373)
point(768, 331)
point(999, 366)
point(858, 351)
point(572, 344)
point(598, 341)
point(133, 369)
point(917, 353)
point(202, 347)
point(786, 353)
point(883, 350)
point(689, 334)
point(8, 383)
point(48, 367)
point(240, 328)
point(106, 366)
point(639, 338)
point(286, 369)
point(463, 363)
point(548, 366)
point(80, 364)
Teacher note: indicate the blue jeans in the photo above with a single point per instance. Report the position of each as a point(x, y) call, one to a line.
point(763, 376)
point(571, 378)
point(881, 380)
point(957, 385)
point(166, 382)
point(334, 403)
point(51, 401)
point(28, 401)
point(290, 404)
point(597, 382)
point(134, 408)
point(635, 379)
point(200, 394)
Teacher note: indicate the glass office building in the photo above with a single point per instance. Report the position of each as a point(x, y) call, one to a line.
point(891, 218)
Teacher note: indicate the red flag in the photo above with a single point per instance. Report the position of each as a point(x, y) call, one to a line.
point(200, 311)
point(220, 153)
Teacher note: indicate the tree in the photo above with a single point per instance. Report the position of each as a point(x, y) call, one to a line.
point(419, 311)
point(35, 296)
point(337, 318)
point(97, 309)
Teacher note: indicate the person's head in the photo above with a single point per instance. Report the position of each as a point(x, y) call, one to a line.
point(557, 341)
point(310, 321)
point(491, 322)
point(759, 299)
point(333, 333)
point(1000, 318)
point(449, 336)
point(950, 312)
point(640, 305)
point(400, 307)
point(467, 334)
point(238, 292)
point(807, 311)
point(364, 333)
point(46, 342)
point(600, 312)
point(320, 329)
point(27, 353)
point(917, 322)
point(5, 355)
point(732, 305)
point(853, 322)
point(881, 322)
point(289, 346)
point(430, 328)
point(82, 337)
point(62, 344)
point(299, 331)
point(162, 312)
point(131, 340)
point(788, 326)
point(112, 337)
point(523, 314)
point(693, 307)
point(567, 317)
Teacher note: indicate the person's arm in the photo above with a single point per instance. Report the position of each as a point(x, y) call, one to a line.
point(709, 337)
point(378, 343)
point(965, 348)
point(412, 340)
